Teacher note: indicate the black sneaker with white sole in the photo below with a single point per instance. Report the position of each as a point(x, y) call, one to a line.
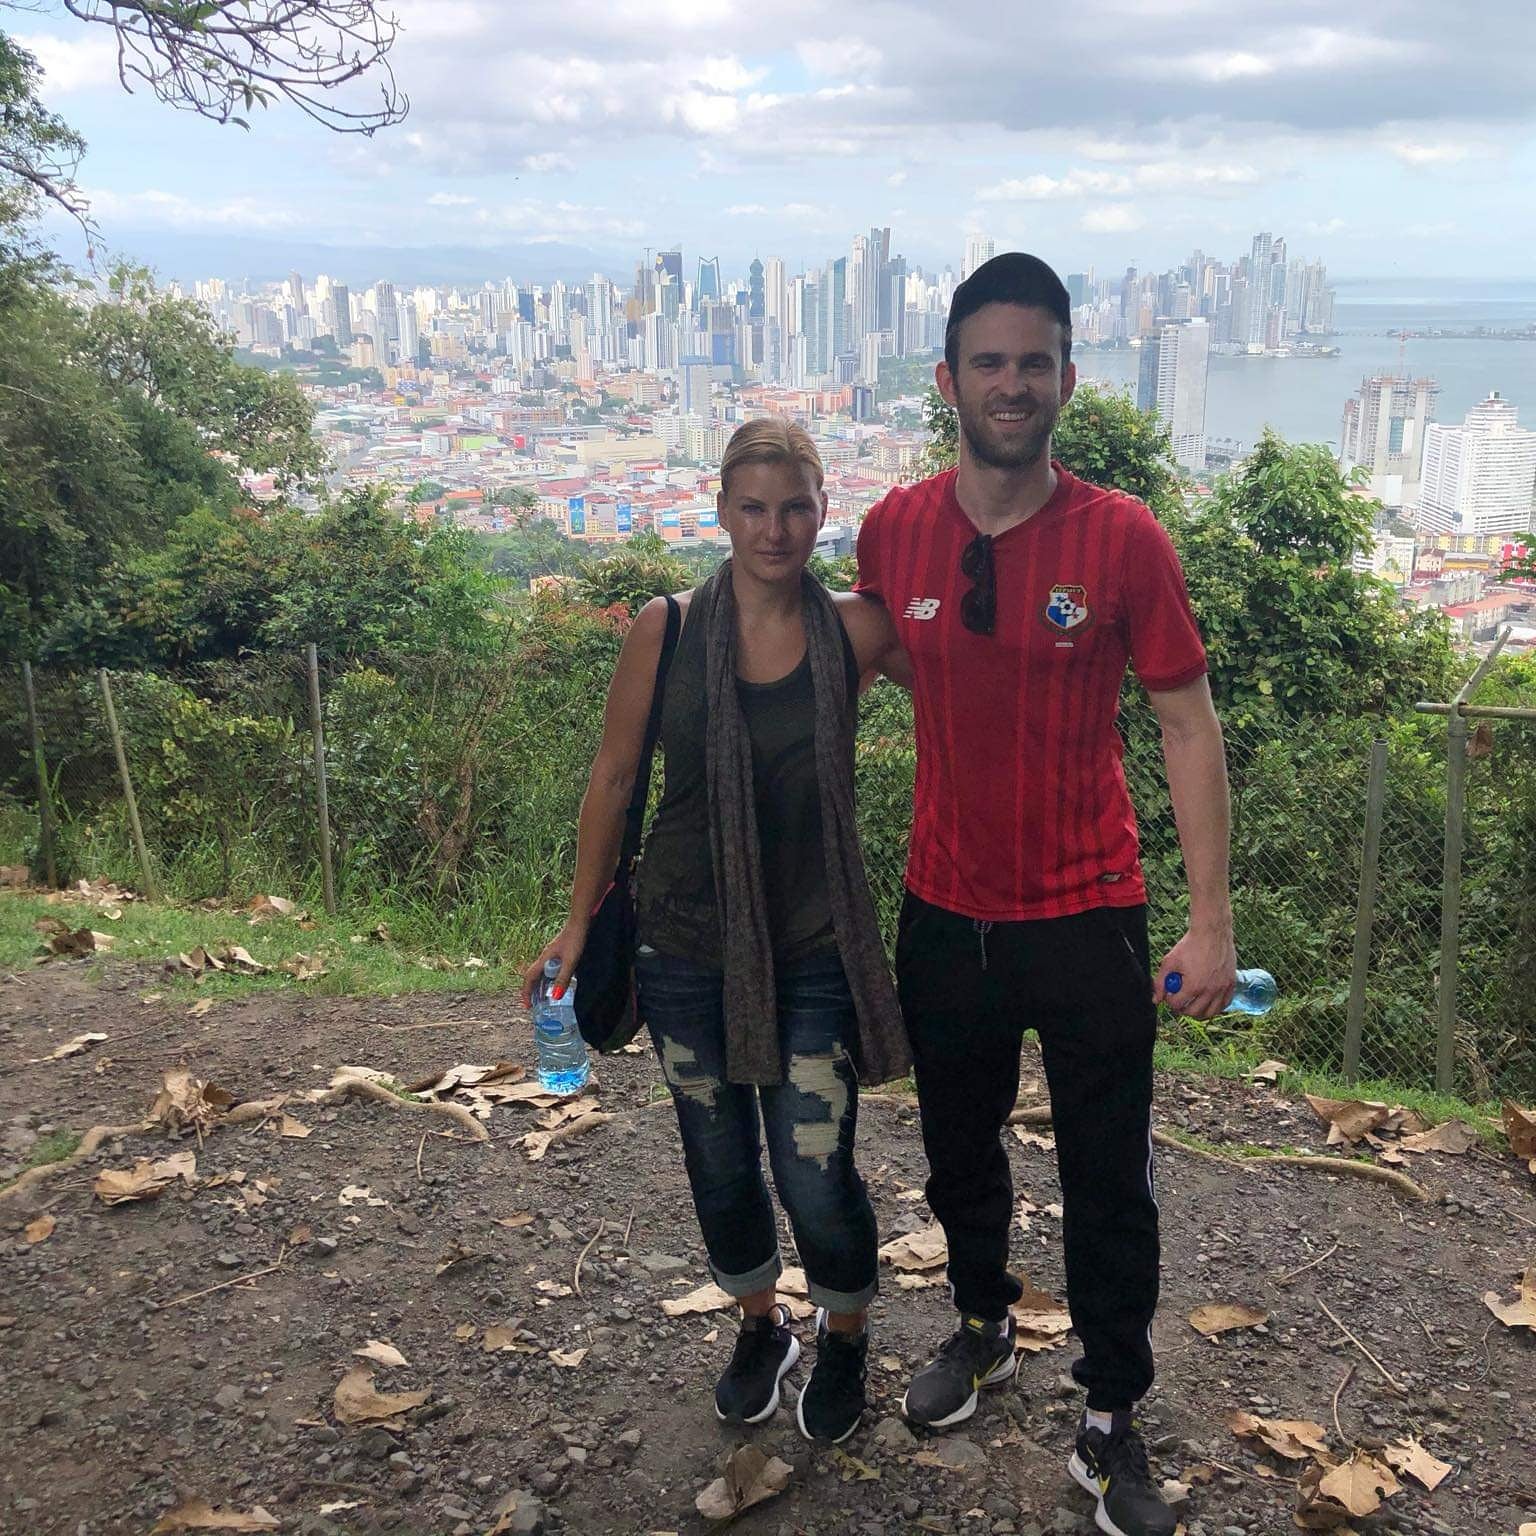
point(748, 1392)
point(1113, 1468)
point(978, 1354)
point(833, 1401)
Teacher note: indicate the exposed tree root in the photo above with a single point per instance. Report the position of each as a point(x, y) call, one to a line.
point(92, 1139)
point(366, 1088)
point(1040, 1114)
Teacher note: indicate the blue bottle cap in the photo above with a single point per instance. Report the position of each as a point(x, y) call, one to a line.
point(1173, 983)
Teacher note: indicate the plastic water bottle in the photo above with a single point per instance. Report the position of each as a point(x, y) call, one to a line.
point(1256, 991)
point(563, 1066)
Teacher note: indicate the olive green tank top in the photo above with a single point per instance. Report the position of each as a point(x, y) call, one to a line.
point(675, 898)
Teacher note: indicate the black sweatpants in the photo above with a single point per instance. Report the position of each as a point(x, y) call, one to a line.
point(969, 990)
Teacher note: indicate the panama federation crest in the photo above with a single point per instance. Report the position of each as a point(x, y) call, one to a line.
point(1066, 608)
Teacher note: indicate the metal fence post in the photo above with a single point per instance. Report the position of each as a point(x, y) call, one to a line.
point(44, 797)
point(150, 888)
point(1450, 889)
point(1365, 910)
point(312, 656)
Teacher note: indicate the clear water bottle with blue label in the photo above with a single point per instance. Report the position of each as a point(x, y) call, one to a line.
point(1256, 991)
point(563, 1066)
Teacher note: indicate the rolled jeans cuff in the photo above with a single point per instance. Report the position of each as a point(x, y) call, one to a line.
point(842, 1301)
point(753, 1281)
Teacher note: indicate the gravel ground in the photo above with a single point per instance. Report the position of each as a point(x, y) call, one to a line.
point(122, 1400)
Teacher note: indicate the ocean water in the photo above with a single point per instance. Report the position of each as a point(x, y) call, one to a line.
point(1303, 398)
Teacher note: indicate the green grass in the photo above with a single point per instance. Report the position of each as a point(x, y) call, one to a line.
point(54, 1148)
point(153, 933)
point(1232, 1061)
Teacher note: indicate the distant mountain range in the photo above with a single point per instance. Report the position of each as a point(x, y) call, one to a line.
point(187, 257)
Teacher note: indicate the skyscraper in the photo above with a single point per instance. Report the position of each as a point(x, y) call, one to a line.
point(708, 288)
point(978, 249)
point(756, 301)
point(1175, 361)
point(341, 327)
point(1479, 478)
point(1383, 432)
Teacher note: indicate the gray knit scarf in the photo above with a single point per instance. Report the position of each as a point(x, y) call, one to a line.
point(752, 1053)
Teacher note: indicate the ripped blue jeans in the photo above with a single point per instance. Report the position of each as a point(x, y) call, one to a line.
point(809, 1122)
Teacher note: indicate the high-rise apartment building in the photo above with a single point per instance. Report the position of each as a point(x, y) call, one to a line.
point(1175, 362)
point(1479, 478)
point(1383, 433)
point(978, 250)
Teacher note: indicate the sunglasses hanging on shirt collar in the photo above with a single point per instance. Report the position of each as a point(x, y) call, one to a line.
point(978, 607)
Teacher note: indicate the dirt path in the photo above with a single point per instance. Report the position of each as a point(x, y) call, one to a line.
point(118, 1407)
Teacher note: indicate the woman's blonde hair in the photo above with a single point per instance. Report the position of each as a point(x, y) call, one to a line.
point(769, 440)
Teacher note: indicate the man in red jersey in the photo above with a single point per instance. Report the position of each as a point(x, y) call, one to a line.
point(1020, 594)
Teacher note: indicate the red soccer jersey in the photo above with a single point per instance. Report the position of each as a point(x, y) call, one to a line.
point(1020, 808)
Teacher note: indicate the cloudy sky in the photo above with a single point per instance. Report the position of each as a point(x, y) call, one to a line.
point(1388, 137)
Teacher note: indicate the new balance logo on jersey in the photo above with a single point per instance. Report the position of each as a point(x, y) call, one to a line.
point(922, 608)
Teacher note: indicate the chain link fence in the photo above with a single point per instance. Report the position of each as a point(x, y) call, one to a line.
point(454, 782)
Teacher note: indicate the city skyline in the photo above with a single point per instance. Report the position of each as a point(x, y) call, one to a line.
point(1393, 142)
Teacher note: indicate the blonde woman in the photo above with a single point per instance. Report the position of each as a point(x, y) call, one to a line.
point(760, 970)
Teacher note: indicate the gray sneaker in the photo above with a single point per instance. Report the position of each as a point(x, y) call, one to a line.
point(978, 1354)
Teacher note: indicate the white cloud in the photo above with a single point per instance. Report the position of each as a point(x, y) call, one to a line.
point(449, 200)
point(542, 165)
point(1430, 154)
point(1115, 219)
point(1042, 189)
point(896, 179)
point(156, 209)
point(82, 63)
point(1185, 176)
point(747, 210)
point(840, 57)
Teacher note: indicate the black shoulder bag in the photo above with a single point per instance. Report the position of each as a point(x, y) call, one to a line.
point(605, 974)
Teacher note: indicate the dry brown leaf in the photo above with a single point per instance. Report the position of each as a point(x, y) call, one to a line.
point(69, 1048)
point(358, 1194)
point(1174, 1492)
point(501, 1336)
point(569, 1358)
point(708, 1298)
point(1294, 1439)
point(300, 1235)
point(199, 960)
point(1521, 1312)
point(303, 967)
point(1222, 1316)
point(1359, 1484)
point(536, 1144)
point(40, 1230)
point(572, 1109)
point(1349, 1119)
point(1520, 1127)
point(517, 1219)
point(748, 1476)
point(240, 959)
point(382, 1352)
point(1453, 1136)
point(457, 1254)
point(1268, 1072)
point(1040, 1322)
point(793, 1283)
point(556, 1288)
point(1411, 1459)
point(263, 907)
point(185, 1103)
point(200, 1515)
point(918, 1282)
point(295, 1129)
point(358, 1403)
point(852, 1469)
point(71, 944)
point(464, 1332)
point(917, 1250)
point(1029, 1138)
point(200, 1007)
point(145, 1180)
